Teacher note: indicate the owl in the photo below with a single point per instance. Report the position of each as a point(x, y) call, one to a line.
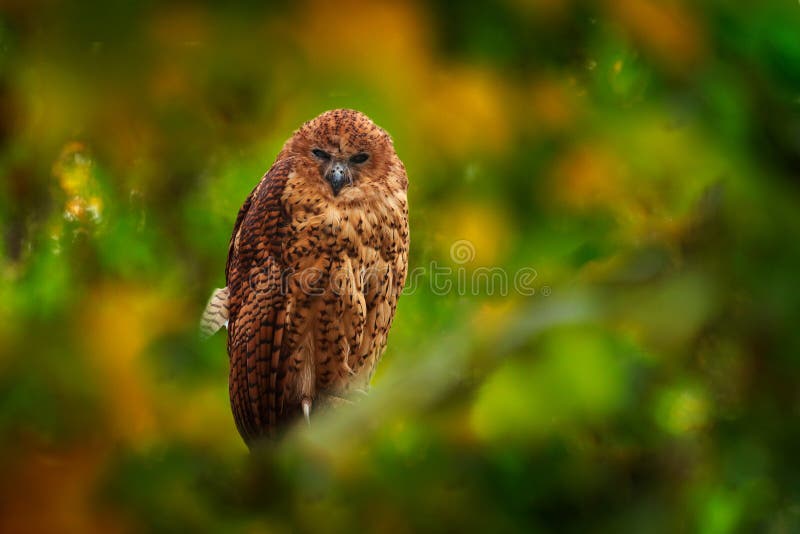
point(316, 263)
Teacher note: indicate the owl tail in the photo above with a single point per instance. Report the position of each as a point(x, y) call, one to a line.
point(215, 315)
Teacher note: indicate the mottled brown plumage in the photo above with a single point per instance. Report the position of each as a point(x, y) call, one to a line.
point(316, 262)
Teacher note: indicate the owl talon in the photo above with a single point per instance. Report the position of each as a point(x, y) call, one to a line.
point(306, 403)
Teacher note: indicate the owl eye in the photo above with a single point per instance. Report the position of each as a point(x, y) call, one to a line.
point(359, 158)
point(321, 154)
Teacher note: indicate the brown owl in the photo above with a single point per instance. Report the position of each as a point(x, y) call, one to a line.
point(316, 263)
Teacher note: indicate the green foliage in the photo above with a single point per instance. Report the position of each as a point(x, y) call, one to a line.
point(627, 169)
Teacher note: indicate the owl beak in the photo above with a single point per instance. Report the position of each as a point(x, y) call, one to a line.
point(338, 175)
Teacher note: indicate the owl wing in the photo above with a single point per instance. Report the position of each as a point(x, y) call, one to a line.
point(257, 306)
point(215, 315)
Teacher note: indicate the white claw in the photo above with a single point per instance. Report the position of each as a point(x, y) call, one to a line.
point(306, 403)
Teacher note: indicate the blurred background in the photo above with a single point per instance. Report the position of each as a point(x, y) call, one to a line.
point(636, 160)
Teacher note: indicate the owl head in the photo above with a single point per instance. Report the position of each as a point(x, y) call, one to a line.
point(344, 150)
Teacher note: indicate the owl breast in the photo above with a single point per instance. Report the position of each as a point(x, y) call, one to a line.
point(346, 266)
